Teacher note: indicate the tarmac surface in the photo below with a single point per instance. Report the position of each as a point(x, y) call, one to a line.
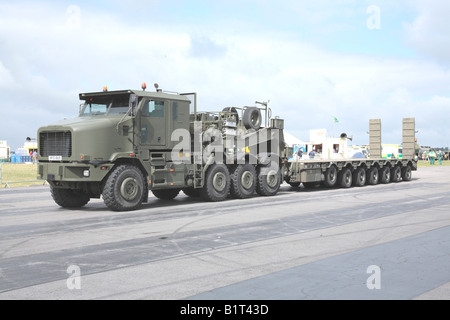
point(364, 243)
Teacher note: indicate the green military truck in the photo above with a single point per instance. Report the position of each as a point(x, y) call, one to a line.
point(126, 143)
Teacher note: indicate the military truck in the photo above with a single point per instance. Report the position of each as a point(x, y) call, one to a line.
point(126, 143)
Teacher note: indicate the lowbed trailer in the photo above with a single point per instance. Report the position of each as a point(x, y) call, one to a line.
point(358, 172)
point(126, 143)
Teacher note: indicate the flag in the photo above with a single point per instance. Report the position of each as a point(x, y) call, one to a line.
point(335, 120)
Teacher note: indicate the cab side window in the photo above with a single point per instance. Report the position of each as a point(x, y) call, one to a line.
point(153, 109)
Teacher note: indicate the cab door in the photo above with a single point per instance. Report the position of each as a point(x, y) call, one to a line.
point(154, 123)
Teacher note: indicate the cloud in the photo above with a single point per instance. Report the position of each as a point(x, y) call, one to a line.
point(6, 79)
point(429, 33)
point(51, 56)
point(203, 47)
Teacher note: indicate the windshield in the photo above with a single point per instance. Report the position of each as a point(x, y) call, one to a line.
point(105, 105)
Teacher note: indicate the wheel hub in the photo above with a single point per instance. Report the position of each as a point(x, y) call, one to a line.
point(129, 189)
point(272, 178)
point(247, 180)
point(219, 181)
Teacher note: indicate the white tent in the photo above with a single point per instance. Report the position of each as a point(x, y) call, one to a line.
point(292, 141)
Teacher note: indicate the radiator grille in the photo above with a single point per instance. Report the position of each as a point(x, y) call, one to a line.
point(55, 144)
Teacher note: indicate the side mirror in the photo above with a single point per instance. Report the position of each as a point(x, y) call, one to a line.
point(134, 100)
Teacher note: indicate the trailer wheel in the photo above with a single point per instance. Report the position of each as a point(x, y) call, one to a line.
point(396, 174)
point(331, 176)
point(217, 183)
point(385, 175)
point(243, 181)
point(252, 118)
point(346, 179)
point(167, 194)
point(269, 181)
point(372, 176)
point(124, 188)
point(407, 173)
point(359, 177)
point(68, 198)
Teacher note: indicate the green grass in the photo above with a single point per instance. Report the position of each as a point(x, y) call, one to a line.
point(423, 164)
point(19, 175)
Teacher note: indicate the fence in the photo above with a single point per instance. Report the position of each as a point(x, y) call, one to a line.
point(19, 174)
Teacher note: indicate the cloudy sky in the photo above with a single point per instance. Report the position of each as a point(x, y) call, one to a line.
point(314, 60)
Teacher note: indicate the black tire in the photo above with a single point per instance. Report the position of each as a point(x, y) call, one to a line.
point(396, 174)
point(146, 190)
point(372, 176)
point(359, 177)
point(252, 118)
point(407, 173)
point(68, 198)
point(124, 188)
point(345, 178)
point(268, 181)
point(294, 184)
point(385, 175)
point(331, 177)
point(166, 194)
point(191, 192)
point(217, 183)
point(243, 181)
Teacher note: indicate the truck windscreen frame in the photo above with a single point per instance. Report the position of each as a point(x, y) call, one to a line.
point(106, 105)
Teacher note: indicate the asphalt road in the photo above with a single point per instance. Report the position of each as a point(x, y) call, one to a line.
point(374, 242)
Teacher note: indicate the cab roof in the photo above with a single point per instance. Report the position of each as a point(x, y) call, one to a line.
point(139, 93)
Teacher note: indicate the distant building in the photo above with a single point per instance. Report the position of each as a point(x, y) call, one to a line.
point(4, 150)
point(30, 145)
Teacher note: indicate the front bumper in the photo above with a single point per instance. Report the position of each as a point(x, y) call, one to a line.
point(73, 172)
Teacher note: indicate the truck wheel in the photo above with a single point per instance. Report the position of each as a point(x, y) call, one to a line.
point(268, 181)
point(167, 194)
point(252, 118)
point(243, 181)
point(407, 173)
point(385, 175)
point(124, 189)
point(217, 183)
point(331, 176)
point(359, 177)
point(68, 198)
point(191, 192)
point(346, 179)
point(396, 174)
point(372, 176)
